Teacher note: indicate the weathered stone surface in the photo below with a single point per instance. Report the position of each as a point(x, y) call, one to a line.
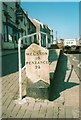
point(37, 71)
point(39, 89)
point(37, 65)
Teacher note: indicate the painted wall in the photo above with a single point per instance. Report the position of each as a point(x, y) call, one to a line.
point(10, 61)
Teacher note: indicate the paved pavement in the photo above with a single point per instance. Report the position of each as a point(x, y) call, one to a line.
point(76, 61)
point(66, 105)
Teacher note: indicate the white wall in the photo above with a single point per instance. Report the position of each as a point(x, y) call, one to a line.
point(69, 42)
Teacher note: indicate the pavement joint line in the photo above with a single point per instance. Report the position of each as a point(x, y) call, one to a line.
point(9, 82)
point(5, 100)
point(56, 103)
point(18, 110)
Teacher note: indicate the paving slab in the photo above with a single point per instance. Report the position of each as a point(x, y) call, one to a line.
point(65, 106)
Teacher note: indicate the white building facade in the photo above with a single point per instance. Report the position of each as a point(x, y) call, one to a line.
point(70, 42)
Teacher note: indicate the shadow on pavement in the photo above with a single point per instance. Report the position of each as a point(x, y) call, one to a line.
point(57, 84)
point(52, 55)
point(70, 73)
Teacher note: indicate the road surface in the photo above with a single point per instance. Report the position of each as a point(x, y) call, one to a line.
point(75, 60)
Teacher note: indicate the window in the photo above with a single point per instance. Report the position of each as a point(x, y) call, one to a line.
point(15, 36)
point(5, 33)
point(71, 42)
point(4, 6)
point(32, 39)
point(10, 34)
point(48, 40)
point(24, 21)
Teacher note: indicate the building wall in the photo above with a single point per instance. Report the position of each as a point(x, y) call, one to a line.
point(13, 27)
point(14, 24)
point(31, 29)
point(0, 17)
point(0, 25)
point(10, 61)
point(43, 28)
point(51, 35)
point(38, 27)
point(9, 27)
point(69, 42)
point(49, 32)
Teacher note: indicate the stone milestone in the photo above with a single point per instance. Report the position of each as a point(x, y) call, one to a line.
point(37, 65)
point(37, 71)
